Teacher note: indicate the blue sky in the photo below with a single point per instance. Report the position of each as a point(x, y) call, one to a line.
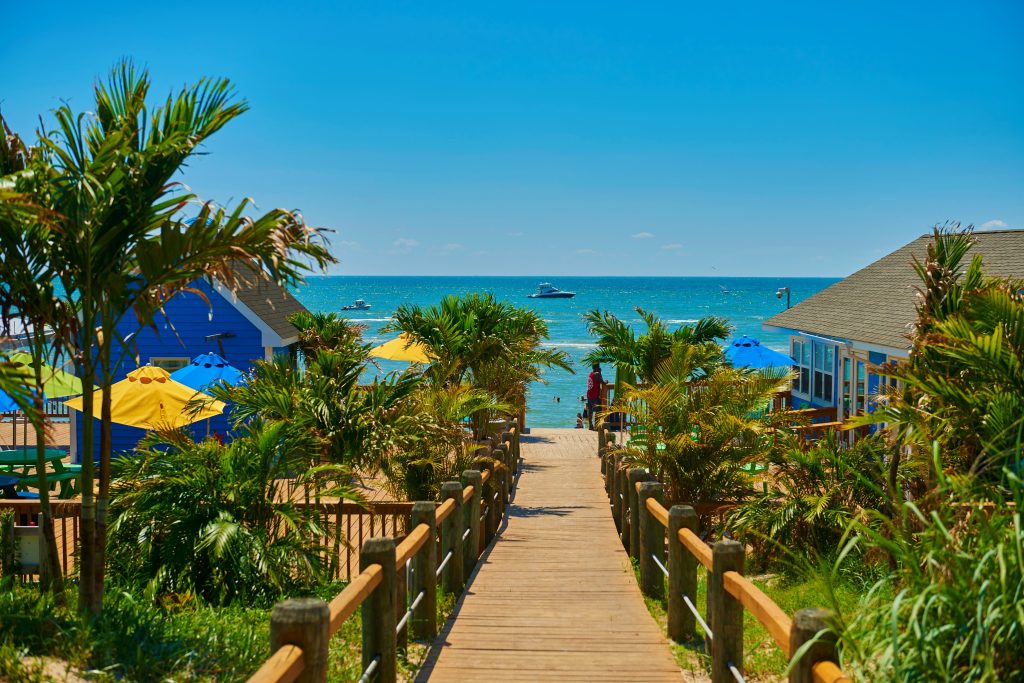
point(579, 138)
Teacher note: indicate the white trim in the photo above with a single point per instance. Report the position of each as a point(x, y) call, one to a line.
point(270, 338)
point(848, 343)
point(268, 353)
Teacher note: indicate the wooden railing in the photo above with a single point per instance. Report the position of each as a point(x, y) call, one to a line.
point(396, 589)
point(350, 525)
point(667, 547)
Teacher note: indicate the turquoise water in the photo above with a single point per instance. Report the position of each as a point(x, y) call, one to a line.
point(745, 302)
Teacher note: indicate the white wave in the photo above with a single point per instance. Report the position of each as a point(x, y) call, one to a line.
point(573, 345)
point(371, 320)
point(683, 321)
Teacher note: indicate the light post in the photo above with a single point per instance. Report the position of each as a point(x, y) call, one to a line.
point(778, 295)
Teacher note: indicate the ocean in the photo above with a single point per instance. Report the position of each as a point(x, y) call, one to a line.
point(744, 302)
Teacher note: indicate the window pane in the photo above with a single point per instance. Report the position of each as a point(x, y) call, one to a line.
point(819, 360)
point(805, 382)
point(830, 357)
point(817, 384)
point(827, 394)
point(805, 354)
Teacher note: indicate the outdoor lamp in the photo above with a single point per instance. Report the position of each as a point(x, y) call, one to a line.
point(778, 294)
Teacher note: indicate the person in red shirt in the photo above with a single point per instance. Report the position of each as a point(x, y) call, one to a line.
point(595, 382)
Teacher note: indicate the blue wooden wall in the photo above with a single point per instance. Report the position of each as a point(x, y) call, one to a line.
point(192, 319)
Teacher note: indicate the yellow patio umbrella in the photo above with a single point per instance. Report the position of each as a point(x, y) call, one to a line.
point(149, 398)
point(404, 348)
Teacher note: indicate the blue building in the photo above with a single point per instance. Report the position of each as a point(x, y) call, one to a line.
point(843, 334)
point(244, 326)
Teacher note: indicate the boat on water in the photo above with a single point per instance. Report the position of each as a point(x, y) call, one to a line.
point(546, 290)
point(357, 305)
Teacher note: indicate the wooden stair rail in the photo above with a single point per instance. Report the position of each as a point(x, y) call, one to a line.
point(301, 629)
point(637, 505)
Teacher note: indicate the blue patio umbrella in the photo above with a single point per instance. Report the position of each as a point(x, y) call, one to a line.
point(7, 404)
point(207, 370)
point(747, 352)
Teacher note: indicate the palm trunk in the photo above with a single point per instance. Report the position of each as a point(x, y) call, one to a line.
point(106, 447)
point(51, 574)
point(87, 533)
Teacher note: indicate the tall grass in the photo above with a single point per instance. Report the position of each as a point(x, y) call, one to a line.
point(952, 607)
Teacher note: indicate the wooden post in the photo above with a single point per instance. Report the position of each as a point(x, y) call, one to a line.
point(488, 506)
point(506, 477)
point(807, 624)
point(451, 539)
point(601, 427)
point(624, 501)
point(652, 541)
point(401, 605)
point(305, 622)
point(682, 575)
point(615, 488)
point(636, 475)
point(726, 612)
point(472, 514)
point(379, 639)
point(424, 574)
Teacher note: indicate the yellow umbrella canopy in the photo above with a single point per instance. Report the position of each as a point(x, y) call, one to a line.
point(56, 382)
point(402, 348)
point(149, 398)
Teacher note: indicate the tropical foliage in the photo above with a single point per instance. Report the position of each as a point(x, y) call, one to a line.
point(816, 493)
point(216, 520)
point(638, 357)
point(698, 433)
point(964, 385)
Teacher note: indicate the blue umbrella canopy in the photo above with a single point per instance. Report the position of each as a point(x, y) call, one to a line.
point(747, 352)
point(207, 370)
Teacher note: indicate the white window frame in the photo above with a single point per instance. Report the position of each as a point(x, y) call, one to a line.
point(169, 363)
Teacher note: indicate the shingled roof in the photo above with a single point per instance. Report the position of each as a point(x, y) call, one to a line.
point(269, 303)
point(876, 305)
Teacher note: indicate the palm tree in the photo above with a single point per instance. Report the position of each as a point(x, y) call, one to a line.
point(709, 428)
point(27, 275)
point(963, 386)
point(637, 357)
point(124, 248)
point(490, 344)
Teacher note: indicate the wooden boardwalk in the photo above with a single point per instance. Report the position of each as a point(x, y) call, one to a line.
point(554, 598)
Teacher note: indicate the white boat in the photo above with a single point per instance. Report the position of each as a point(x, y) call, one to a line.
point(546, 290)
point(358, 305)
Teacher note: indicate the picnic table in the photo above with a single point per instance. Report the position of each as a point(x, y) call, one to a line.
point(21, 463)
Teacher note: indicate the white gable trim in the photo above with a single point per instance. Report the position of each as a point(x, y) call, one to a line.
point(269, 337)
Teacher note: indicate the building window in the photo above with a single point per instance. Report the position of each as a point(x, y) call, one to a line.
point(802, 370)
point(169, 363)
point(824, 370)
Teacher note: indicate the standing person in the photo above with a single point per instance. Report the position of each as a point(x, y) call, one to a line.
point(595, 382)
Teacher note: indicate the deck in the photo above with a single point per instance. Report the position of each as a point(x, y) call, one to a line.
point(554, 598)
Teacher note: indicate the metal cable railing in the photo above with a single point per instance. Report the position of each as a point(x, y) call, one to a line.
point(370, 670)
point(408, 613)
point(444, 562)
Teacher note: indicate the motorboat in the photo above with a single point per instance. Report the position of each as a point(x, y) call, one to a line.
point(546, 290)
point(358, 305)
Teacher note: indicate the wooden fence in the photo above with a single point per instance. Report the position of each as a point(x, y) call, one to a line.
point(667, 547)
point(396, 589)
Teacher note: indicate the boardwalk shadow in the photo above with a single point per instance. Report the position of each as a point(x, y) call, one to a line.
point(528, 438)
point(546, 511)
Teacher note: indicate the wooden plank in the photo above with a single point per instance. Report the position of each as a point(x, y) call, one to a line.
point(554, 598)
point(348, 601)
point(284, 666)
point(829, 672)
point(762, 607)
point(696, 546)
